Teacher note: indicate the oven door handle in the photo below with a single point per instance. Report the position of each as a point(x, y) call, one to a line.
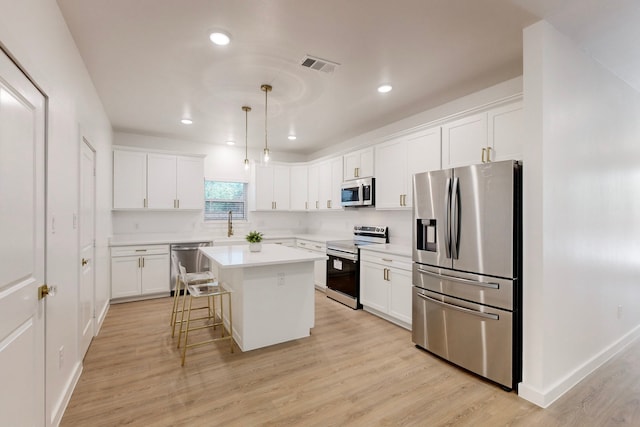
point(343, 255)
point(491, 285)
point(462, 309)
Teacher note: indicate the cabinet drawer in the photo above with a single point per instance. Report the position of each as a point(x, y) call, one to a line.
point(139, 250)
point(311, 246)
point(284, 242)
point(388, 260)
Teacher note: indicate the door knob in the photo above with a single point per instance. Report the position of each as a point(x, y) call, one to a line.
point(85, 261)
point(46, 290)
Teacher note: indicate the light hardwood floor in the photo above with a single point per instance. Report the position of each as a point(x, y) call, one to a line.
point(355, 370)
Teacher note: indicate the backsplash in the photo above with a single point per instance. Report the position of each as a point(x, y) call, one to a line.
point(133, 224)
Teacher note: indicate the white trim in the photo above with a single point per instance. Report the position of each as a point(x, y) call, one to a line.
point(544, 398)
point(61, 405)
point(100, 318)
point(155, 151)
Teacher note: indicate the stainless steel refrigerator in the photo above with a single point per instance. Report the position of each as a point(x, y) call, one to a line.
point(467, 269)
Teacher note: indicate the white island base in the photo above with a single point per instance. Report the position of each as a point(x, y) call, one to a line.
point(273, 292)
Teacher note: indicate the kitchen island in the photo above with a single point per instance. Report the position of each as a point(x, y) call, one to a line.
point(273, 292)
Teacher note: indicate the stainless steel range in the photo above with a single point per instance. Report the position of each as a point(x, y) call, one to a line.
point(343, 265)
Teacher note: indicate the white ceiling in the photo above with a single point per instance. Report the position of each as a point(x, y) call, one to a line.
point(152, 62)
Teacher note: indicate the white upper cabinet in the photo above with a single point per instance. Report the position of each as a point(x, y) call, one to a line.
point(271, 187)
point(161, 183)
point(329, 184)
point(190, 183)
point(157, 181)
point(464, 140)
point(299, 188)
point(491, 135)
point(358, 164)
point(505, 132)
point(396, 162)
point(129, 180)
point(313, 186)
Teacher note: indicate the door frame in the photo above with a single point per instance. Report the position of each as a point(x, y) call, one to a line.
point(84, 140)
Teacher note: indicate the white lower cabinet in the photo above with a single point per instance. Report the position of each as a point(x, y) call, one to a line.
point(320, 267)
point(139, 271)
point(385, 286)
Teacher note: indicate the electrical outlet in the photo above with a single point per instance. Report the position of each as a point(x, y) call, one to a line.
point(619, 312)
point(280, 279)
point(60, 357)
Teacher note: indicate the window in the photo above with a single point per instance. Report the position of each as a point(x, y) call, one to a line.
point(220, 197)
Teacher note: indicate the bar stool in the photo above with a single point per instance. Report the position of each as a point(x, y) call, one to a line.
point(210, 291)
point(181, 288)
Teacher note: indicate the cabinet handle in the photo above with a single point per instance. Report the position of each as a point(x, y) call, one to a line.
point(306, 205)
point(139, 263)
point(356, 172)
point(387, 260)
point(484, 150)
point(328, 204)
point(318, 247)
point(316, 204)
point(488, 154)
point(178, 203)
point(144, 201)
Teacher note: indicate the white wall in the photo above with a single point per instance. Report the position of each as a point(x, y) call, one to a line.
point(35, 34)
point(582, 214)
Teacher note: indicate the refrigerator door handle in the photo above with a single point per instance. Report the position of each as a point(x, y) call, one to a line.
point(462, 309)
point(455, 219)
point(491, 285)
point(447, 222)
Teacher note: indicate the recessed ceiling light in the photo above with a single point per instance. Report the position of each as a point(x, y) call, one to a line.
point(291, 137)
point(220, 38)
point(384, 88)
point(186, 121)
point(231, 143)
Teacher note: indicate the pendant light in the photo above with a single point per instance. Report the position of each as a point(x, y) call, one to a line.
point(266, 89)
point(246, 132)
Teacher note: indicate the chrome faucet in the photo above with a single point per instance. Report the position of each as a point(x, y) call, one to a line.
point(230, 224)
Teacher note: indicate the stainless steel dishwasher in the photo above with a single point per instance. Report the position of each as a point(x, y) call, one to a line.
point(190, 257)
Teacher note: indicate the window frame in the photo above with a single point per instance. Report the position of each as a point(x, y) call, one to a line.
point(244, 202)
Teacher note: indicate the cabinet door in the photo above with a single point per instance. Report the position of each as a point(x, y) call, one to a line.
point(335, 189)
point(400, 294)
point(366, 163)
point(463, 141)
point(155, 274)
point(505, 132)
point(161, 181)
point(423, 155)
point(263, 183)
point(125, 276)
point(313, 187)
point(374, 289)
point(281, 190)
point(351, 165)
point(298, 188)
point(190, 182)
point(390, 174)
point(324, 185)
point(129, 180)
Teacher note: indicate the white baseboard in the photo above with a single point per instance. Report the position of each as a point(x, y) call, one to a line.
point(101, 316)
point(544, 398)
point(61, 405)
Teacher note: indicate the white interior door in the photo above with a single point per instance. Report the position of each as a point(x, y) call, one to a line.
point(22, 248)
point(87, 249)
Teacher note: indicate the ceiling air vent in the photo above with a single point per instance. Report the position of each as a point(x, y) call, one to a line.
point(319, 64)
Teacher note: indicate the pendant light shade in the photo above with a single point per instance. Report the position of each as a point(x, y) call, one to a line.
point(266, 89)
point(246, 137)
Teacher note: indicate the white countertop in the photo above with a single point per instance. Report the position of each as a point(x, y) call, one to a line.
point(389, 248)
point(239, 256)
point(133, 240)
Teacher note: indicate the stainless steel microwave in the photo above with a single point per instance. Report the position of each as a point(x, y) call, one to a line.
point(360, 192)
